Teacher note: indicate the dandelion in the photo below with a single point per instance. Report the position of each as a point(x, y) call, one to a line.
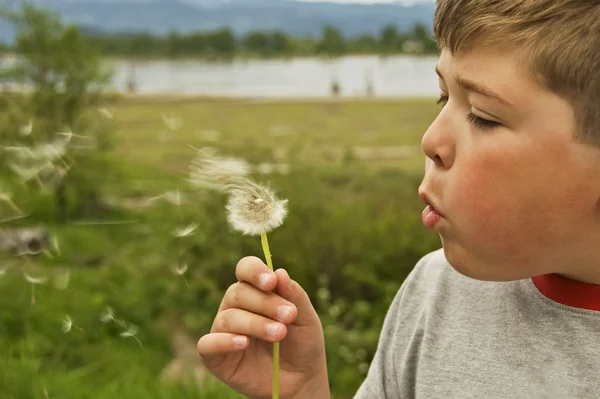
point(180, 271)
point(185, 231)
point(34, 281)
point(252, 209)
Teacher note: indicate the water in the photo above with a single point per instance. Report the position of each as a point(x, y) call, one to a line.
point(398, 76)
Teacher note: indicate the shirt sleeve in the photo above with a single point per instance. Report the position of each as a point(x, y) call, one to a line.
point(392, 373)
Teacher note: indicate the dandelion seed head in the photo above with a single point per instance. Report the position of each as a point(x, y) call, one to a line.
point(254, 209)
point(67, 324)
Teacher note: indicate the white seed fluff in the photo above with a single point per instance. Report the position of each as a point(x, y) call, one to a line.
point(253, 209)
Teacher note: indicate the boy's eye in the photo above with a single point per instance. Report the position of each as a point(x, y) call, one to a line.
point(480, 122)
point(443, 100)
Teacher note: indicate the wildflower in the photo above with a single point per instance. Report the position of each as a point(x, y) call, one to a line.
point(67, 323)
point(221, 174)
point(253, 209)
point(185, 231)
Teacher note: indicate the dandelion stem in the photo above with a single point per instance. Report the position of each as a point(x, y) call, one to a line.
point(265, 245)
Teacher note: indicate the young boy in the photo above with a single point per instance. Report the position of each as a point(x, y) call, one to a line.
point(510, 308)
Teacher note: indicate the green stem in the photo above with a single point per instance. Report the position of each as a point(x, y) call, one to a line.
point(265, 246)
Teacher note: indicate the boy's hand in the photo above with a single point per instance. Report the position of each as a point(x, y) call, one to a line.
point(239, 348)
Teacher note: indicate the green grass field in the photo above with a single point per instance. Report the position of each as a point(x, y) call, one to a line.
point(352, 235)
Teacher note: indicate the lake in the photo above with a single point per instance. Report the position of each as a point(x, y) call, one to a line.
point(397, 76)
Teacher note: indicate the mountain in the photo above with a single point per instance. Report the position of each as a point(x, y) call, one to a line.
point(294, 17)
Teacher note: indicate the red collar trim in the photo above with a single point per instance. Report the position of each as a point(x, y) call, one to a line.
point(569, 292)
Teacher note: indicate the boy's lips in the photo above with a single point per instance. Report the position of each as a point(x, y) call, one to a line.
point(431, 215)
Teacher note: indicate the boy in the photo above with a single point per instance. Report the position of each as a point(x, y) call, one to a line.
point(510, 308)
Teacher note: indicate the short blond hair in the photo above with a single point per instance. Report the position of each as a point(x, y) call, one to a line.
point(560, 40)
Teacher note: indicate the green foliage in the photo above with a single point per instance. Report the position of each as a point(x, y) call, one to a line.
point(223, 44)
point(63, 80)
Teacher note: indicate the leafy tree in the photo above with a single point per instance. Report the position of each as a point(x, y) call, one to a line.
point(332, 42)
point(64, 80)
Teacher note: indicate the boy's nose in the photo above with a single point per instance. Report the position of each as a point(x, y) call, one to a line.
point(438, 144)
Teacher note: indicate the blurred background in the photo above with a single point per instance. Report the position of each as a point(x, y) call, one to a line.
point(112, 265)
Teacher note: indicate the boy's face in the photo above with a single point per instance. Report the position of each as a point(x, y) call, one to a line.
point(519, 196)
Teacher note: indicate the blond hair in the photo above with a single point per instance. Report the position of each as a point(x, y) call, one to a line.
point(559, 38)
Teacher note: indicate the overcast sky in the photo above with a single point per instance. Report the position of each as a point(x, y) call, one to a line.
point(371, 1)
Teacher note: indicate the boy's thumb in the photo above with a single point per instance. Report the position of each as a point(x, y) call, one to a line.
point(293, 292)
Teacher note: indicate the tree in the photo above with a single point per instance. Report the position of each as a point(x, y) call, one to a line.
point(332, 42)
point(65, 81)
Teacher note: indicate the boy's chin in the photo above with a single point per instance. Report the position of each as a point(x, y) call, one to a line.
point(468, 265)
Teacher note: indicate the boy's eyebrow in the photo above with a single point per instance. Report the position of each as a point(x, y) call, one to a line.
point(477, 88)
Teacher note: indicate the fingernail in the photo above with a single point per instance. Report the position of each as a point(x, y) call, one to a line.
point(263, 279)
point(240, 341)
point(283, 312)
point(273, 329)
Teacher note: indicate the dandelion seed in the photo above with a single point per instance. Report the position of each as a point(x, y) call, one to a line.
point(61, 280)
point(3, 271)
point(34, 281)
point(105, 112)
point(107, 315)
point(221, 174)
point(6, 197)
point(172, 122)
point(185, 231)
point(54, 244)
point(253, 209)
point(265, 168)
point(67, 323)
point(26, 130)
point(180, 271)
point(131, 333)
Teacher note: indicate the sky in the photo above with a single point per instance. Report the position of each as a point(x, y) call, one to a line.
point(407, 2)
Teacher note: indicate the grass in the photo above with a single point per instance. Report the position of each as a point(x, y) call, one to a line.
point(314, 131)
point(343, 187)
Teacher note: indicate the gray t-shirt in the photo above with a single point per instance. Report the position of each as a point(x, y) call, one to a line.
point(450, 336)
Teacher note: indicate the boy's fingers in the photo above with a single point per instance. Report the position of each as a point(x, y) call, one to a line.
point(247, 297)
point(293, 292)
point(254, 271)
point(242, 322)
point(221, 343)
